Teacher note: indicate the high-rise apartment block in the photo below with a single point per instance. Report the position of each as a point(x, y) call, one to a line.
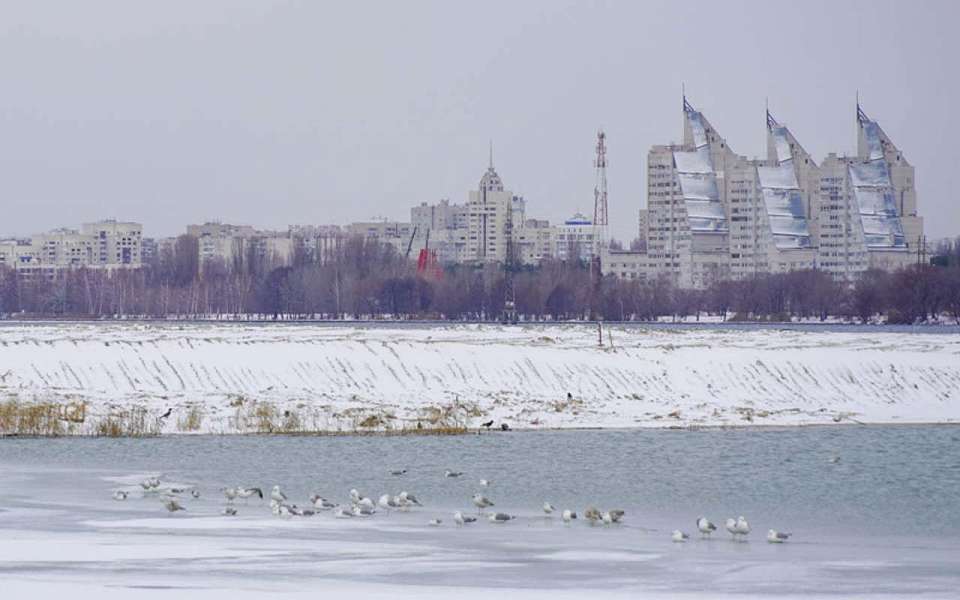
point(107, 244)
point(713, 214)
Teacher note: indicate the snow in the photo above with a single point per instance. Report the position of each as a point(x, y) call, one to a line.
point(224, 378)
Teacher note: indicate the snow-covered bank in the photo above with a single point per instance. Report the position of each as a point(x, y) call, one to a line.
point(238, 378)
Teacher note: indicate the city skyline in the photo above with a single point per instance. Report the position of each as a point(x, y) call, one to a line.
point(247, 115)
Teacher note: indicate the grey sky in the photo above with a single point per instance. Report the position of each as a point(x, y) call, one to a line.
point(271, 113)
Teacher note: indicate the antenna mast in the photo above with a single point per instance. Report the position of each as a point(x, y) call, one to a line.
point(600, 219)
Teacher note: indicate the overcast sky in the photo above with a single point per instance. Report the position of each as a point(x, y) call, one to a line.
point(271, 113)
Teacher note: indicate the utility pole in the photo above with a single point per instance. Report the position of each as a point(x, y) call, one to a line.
point(600, 218)
point(509, 315)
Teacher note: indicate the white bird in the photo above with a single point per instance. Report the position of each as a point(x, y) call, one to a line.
point(150, 484)
point(366, 504)
point(277, 495)
point(607, 518)
point(731, 525)
point(386, 502)
point(342, 513)
point(322, 503)
point(408, 498)
point(484, 483)
point(449, 473)
point(460, 519)
point(616, 515)
point(120, 495)
point(254, 491)
point(548, 508)
point(592, 514)
point(568, 515)
point(230, 511)
point(499, 517)
point(230, 493)
point(705, 526)
point(301, 512)
point(777, 537)
point(481, 501)
point(172, 505)
point(434, 522)
point(195, 493)
point(743, 528)
point(363, 510)
point(679, 536)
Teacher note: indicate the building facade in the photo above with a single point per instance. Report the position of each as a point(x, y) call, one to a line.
point(713, 214)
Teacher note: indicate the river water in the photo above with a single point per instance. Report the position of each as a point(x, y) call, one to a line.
point(873, 512)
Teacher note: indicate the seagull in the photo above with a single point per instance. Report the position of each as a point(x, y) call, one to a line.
point(731, 526)
point(548, 508)
point(230, 493)
point(616, 515)
point(679, 536)
point(705, 526)
point(365, 503)
point(777, 537)
point(342, 513)
point(120, 495)
point(409, 498)
point(568, 515)
point(277, 495)
point(361, 510)
point(172, 505)
point(460, 519)
point(386, 502)
point(398, 472)
point(449, 473)
point(481, 501)
point(743, 528)
point(230, 511)
point(592, 514)
point(150, 484)
point(484, 483)
point(301, 512)
point(195, 493)
point(500, 517)
point(255, 491)
point(434, 522)
point(322, 503)
point(607, 518)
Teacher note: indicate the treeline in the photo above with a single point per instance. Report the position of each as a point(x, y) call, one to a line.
point(362, 278)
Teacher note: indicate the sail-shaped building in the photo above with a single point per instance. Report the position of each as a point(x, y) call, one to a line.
point(713, 214)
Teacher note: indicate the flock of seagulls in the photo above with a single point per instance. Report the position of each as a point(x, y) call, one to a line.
point(738, 528)
point(360, 506)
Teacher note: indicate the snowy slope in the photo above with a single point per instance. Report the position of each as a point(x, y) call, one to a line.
point(227, 378)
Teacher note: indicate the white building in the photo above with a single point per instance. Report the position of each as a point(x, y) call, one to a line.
point(577, 239)
point(102, 245)
point(712, 214)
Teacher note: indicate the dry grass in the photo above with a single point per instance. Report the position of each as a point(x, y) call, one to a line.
point(192, 420)
point(133, 422)
point(51, 419)
point(33, 418)
point(57, 419)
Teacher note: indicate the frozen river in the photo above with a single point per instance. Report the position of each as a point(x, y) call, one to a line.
point(872, 508)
